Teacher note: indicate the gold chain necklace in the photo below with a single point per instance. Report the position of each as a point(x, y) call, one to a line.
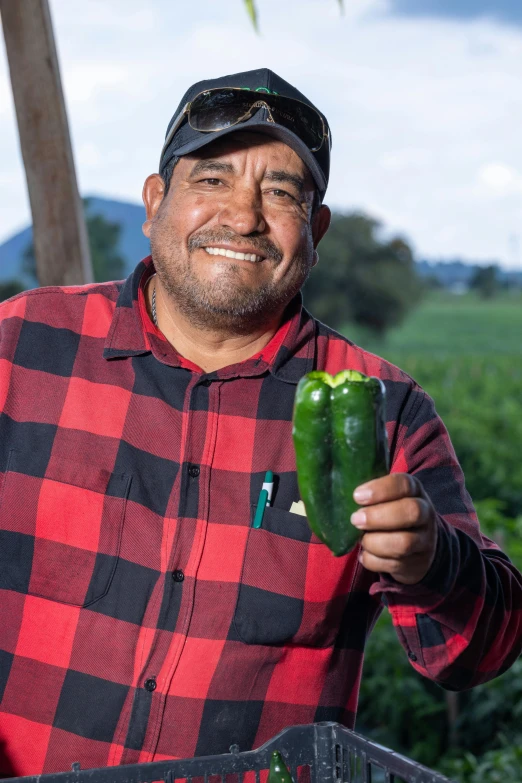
point(154, 311)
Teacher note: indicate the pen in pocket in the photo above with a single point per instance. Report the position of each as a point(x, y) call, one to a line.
point(265, 496)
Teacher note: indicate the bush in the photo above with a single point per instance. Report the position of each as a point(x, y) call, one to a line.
point(362, 277)
point(397, 707)
point(479, 400)
point(503, 765)
point(10, 288)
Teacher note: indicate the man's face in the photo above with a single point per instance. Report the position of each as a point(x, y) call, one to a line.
point(245, 194)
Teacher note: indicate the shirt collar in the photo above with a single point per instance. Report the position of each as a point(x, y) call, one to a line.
point(288, 356)
point(126, 335)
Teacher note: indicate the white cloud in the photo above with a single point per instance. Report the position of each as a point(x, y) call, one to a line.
point(5, 93)
point(89, 155)
point(425, 115)
point(84, 81)
point(402, 159)
point(117, 15)
point(499, 179)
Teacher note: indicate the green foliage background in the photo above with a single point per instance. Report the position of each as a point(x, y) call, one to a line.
point(466, 352)
point(107, 263)
point(362, 276)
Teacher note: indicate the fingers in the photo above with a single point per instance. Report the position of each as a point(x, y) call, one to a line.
point(408, 570)
point(396, 514)
point(392, 487)
point(398, 545)
point(399, 526)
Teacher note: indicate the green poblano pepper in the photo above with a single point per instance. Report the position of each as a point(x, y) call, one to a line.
point(340, 440)
point(278, 770)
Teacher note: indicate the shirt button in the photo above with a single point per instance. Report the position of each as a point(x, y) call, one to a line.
point(178, 575)
point(412, 656)
point(151, 684)
point(193, 471)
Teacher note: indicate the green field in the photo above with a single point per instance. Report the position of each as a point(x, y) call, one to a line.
point(448, 325)
point(467, 354)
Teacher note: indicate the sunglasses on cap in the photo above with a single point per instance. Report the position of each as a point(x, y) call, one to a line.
point(220, 108)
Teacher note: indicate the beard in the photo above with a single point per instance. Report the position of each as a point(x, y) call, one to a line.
point(226, 303)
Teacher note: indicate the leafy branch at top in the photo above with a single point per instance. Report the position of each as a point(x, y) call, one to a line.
point(251, 10)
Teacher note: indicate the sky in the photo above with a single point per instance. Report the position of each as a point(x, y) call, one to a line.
point(423, 98)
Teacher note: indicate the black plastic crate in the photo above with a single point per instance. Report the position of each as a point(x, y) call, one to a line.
point(316, 753)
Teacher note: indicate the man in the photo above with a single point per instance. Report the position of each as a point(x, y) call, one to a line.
point(142, 615)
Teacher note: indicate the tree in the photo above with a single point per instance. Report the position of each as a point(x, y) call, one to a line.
point(59, 231)
point(361, 278)
point(10, 288)
point(104, 237)
point(486, 281)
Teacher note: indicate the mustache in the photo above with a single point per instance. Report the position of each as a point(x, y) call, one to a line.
point(265, 246)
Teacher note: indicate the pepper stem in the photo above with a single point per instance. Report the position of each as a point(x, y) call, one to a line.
point(340, 378)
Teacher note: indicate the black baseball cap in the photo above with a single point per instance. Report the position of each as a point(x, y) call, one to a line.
point(187, 140)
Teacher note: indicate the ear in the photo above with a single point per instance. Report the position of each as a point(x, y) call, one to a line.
point(152, 195)
point(320, 225)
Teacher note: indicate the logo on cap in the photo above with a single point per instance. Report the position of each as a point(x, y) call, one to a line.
point(260, 89)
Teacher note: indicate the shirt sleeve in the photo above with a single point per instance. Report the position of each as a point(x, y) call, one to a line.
point(462, 624)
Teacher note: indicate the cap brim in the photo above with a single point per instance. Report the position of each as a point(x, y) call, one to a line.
point(270, 129)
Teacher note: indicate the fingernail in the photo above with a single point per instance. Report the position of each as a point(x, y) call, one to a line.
point(361, 494)
point(358, 518)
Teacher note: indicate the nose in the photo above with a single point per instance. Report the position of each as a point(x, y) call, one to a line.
point(243, 212)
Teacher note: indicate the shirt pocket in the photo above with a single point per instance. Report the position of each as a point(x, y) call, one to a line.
point(60, 535)
point(283, 596)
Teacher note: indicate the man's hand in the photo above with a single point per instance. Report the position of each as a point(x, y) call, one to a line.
point(399, 525)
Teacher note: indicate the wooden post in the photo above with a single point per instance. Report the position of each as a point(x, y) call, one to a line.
point(59, 233)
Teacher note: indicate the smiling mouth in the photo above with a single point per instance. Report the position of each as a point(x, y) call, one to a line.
point(220, 251)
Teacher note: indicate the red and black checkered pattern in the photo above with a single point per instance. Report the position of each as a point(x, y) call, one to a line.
point(141, 615)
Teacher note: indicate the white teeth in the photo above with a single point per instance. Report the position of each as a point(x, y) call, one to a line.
point(220, 251)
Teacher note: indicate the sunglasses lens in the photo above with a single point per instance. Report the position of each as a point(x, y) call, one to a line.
point(300, 119)
point(219, 109)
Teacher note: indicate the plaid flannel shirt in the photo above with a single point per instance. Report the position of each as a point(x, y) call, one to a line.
point(142, 617)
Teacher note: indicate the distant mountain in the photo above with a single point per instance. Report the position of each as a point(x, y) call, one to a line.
point(133, 245)
point(447, 272)
point(459, 273)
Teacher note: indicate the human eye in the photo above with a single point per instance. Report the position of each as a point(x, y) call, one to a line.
point(283, 195)
point(211, 181)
